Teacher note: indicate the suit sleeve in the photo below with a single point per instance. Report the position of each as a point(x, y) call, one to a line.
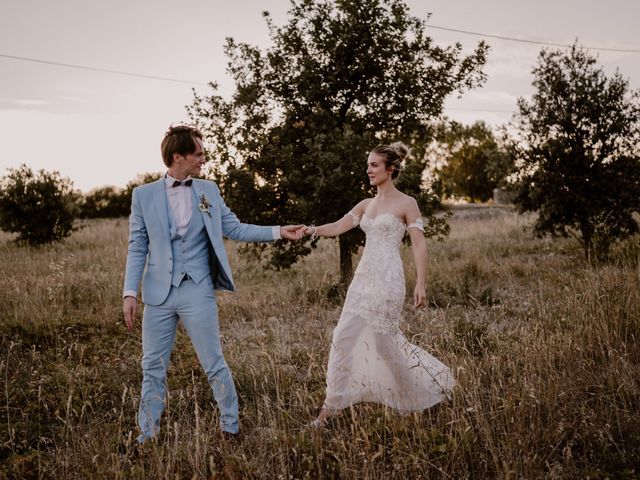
point(244, 232)
point(138, 246)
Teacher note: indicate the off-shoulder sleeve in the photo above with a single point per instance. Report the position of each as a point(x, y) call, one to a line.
point(418, 223)
point(355, 218)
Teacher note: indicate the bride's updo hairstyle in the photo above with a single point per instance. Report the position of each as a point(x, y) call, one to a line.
point(393, 154)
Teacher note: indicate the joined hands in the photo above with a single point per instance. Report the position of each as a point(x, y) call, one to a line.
point(305, 230)
point(296, 232)
point(292, 232)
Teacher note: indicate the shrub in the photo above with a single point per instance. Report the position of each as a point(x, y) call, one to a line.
point(40, 207)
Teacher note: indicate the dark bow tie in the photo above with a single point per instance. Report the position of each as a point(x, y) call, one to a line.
point(186, 183)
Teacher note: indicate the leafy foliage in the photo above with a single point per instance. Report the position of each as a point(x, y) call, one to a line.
point(140, 179)
point(475, 163)
point(339, 78)
point(113, 202)
point(40, 207)
point(104, 202)
point(577, 149)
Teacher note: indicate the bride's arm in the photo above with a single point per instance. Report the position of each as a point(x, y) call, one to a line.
point(346, 223)
point(331, 229)
point(415, 228)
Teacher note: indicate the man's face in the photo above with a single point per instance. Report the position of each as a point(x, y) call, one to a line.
point(191, 163)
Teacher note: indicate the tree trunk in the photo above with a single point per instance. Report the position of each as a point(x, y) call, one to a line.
point(586, 229)
point(346, 262)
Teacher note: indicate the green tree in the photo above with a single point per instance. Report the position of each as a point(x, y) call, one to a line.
point(340, 77)
point(577, 149)
point(40, 207)
point(475, 162)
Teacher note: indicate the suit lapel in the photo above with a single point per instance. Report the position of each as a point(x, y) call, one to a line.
point(200, 197)
point(162, 207)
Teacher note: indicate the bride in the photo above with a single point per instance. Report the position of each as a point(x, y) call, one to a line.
point(370, 359)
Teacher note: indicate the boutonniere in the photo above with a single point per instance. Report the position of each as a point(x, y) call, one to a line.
point(204, 205)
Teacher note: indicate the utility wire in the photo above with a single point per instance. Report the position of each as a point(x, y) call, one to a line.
point(535, 42)
point(103, 70)
point(192, 82)
point(140, 75)
point(487, 110)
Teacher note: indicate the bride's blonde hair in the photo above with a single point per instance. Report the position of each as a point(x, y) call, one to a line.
point(394, 155)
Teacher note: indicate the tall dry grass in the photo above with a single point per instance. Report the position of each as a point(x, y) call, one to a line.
point(544, 347)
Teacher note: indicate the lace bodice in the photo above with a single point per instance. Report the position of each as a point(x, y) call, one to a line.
point(384, 231)
point(356, 220)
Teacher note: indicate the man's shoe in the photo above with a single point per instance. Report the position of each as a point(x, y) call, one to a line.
point(231, 437)
point(144, 439)
point(132, 450)
point(317, 424)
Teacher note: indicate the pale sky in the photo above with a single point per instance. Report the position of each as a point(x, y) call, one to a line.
point(102, 129)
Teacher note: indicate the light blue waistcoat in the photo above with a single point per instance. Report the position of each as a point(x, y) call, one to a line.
point(190, 252)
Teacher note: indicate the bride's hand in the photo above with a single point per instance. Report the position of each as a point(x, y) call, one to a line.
point(419, 296)
point(310, 230)
point(301, 231)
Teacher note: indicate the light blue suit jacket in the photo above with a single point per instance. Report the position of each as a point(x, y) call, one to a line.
point(150, 256)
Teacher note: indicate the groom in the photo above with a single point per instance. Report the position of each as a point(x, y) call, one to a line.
point(175, 237)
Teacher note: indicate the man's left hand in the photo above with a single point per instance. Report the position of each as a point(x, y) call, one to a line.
point(290, 232)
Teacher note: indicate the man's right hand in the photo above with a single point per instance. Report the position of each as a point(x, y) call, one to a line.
point(130, 309)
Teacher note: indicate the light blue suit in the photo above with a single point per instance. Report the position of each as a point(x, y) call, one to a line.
point(180, 275)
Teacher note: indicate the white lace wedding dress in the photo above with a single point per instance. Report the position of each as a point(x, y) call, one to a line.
point(370, 359)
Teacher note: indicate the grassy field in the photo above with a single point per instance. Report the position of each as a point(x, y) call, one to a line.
point(545, 349)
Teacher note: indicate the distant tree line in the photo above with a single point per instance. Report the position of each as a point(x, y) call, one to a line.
point(110, 201)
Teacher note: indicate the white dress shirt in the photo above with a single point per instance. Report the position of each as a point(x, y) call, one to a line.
point(180, 203)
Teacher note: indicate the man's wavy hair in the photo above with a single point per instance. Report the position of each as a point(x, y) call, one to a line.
point(180, 139)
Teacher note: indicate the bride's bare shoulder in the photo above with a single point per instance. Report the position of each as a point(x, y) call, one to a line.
point(407, 199)
point(362, 206)
point(409, 206)
point(403, 196)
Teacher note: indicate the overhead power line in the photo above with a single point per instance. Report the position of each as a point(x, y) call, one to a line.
point(535, 42)
point(193, 82)
point(487, 110)
point(103, 70)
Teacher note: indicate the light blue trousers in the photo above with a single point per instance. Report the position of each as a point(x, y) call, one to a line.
point(196, 305)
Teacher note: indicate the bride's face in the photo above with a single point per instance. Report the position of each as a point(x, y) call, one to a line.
point(377, 171)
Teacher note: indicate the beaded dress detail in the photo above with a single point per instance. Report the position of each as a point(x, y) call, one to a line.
point(370, 358)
